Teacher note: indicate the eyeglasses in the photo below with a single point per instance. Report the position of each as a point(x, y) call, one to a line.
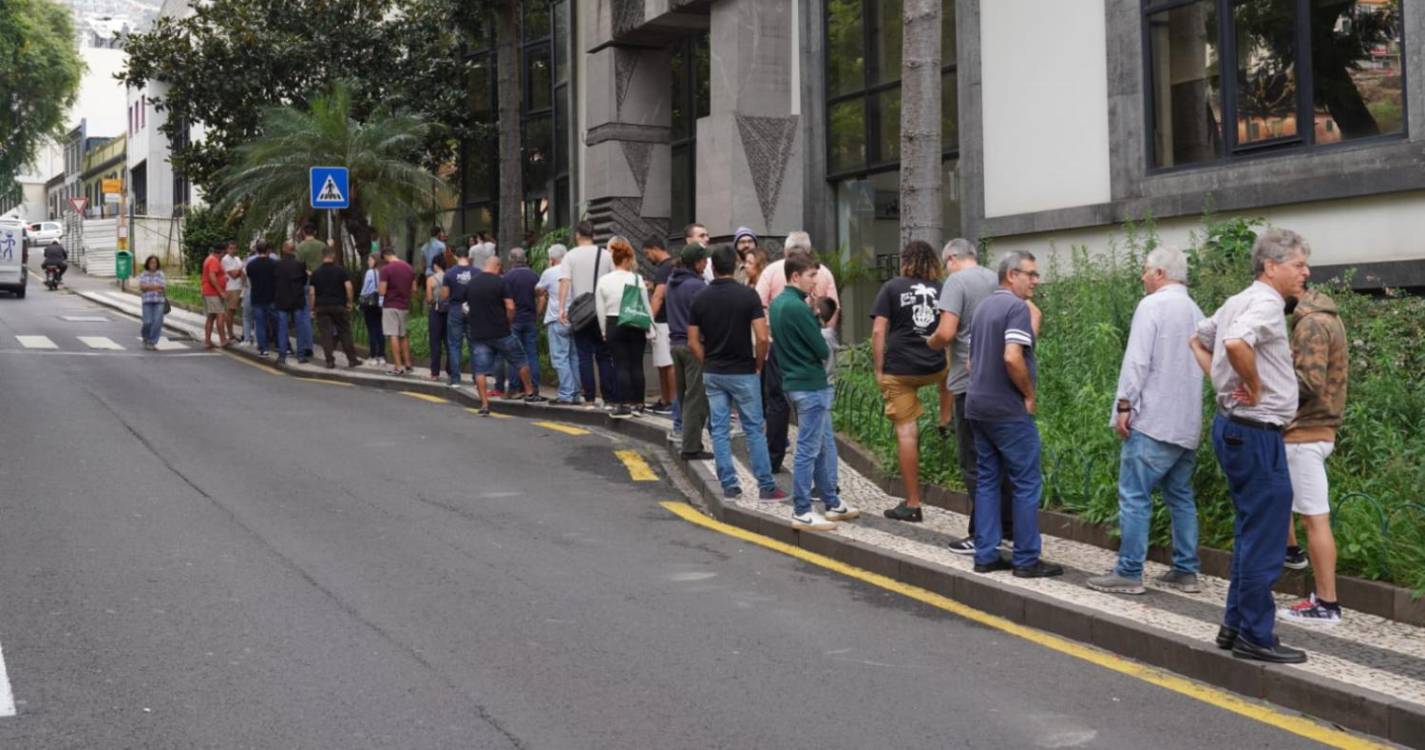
point(1032, 274)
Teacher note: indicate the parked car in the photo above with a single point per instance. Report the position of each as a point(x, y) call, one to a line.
point(43, 232)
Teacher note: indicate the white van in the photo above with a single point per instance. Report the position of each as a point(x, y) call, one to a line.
point(14, 254)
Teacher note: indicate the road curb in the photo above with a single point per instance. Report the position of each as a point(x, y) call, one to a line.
point(1347, 706)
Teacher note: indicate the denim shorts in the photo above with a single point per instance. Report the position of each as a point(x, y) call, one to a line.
point(483, 354)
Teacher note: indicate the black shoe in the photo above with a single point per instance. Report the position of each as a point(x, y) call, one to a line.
point(331, 364)
point(1226, 638)
point(778, 469)
point(903, 512)
point(661, 408)
point(1278, 654)
point(997, 565)
point(696, 456)
point(964, 546)
point(534, 398)
point(1295, 559)
point(281, 360)
point(622, 412)
point(1039, 569)
point(303, 360)
point(484, 411)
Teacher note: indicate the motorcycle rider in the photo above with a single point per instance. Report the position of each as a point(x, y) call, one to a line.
point(56, 255)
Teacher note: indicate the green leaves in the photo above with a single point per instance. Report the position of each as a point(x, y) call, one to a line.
point(42, 71)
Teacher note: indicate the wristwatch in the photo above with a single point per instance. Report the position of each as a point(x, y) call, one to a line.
point(1124, 408)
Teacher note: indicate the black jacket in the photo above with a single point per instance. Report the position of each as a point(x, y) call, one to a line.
point(291, 283)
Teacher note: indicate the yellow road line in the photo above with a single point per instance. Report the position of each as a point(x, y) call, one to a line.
point(638, 469)
point(564, 428)
point(425, 397)
point(324, 381)
point(265, 368)
point(492, 415)
point(1183, 686)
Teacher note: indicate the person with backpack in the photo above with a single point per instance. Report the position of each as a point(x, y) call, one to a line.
point(625, 321)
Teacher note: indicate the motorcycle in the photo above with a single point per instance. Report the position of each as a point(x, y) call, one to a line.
point(52, 277)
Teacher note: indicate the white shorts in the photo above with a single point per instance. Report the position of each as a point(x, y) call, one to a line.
point(1309, 488)
point(662, 346)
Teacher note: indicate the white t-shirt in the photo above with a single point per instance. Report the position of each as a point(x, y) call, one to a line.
point(549, 284)
point(580, 264)
point(232, 263)
point(608, 298)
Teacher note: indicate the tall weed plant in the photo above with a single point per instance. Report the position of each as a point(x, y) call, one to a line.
point(1088, 303)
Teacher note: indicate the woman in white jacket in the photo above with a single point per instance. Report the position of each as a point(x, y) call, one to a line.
point(626, 343)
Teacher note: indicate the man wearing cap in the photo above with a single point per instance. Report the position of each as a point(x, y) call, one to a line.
point(684, 284)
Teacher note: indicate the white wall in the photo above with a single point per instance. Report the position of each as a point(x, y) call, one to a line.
point(1045, 95)
point(102, 100)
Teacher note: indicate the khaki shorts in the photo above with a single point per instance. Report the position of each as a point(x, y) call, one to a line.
point(662, 349)
point(902, 397)
point(393, 322)
point(233, 298)
point(213, 305)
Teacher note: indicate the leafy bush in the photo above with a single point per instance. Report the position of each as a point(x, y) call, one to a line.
point(1379, 462)
point(202, 228)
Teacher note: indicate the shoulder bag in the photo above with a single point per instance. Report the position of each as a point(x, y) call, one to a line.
point(583, 313)
point(632, 313)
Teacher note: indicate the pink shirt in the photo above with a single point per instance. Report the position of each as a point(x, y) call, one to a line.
point(774, 279)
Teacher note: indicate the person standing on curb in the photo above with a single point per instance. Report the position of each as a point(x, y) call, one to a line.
point(214, 284)
point(587, 263)
point(1000, 406)
point(628, 342)
point(398, 285)
point(1158, 416)
point(905, 315)
point(436, 313)
point(522, 281)
point(153, 292)
point(491, 310)
point(1318, 345)
point(330, 298)
point(722, 325)
point(804, 354)
point(370, 302)
point(561, 343)
point(656, 251)
point(1244, 348)
point(262, 283)
point(684, 285)
point(452, 293)
point(291, 303)
point(967, 285)
point(232, 288)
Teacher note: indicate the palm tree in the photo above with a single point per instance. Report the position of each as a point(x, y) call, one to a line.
point(268, 180)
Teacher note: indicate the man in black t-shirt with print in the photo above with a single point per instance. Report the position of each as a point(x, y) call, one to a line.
point(490, 309)
point(723, 321)
point(330, 297)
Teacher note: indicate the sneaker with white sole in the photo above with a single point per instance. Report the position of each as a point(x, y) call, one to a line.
point(964, 546)
point(842, 512)
point(1114, 583)
point(813, 521)
point(1182, 581)
point(1312, 612)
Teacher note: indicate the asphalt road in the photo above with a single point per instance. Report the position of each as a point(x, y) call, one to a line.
point(195, 553)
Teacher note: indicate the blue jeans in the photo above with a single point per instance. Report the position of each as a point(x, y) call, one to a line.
point(303, 319)
point(815, 461)
point(152, 321)
point(1012, 449)
point(485, 352)
point(247, 325)
point(304, 327)
point(744, 391)
point(561, 356)
point(528, 334)
point(456, 333)
point(1254, 461)
point(1145, 463)
point(261, 317)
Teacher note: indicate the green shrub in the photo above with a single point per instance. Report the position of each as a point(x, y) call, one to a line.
point(202, 228)
point(1088, 305)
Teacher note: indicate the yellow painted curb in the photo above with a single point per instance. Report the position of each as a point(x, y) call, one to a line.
point(564, 428)
point(638, 468)
point(425, 397)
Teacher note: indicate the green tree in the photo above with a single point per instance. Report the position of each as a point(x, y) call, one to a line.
point(268, 181)
point(232, 59)
point(41, 78)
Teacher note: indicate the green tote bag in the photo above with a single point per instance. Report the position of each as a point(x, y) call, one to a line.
point(631, 311)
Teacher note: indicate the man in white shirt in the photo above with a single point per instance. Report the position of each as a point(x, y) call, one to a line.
point(587, 263)
point(561, 342)
point(232, 293)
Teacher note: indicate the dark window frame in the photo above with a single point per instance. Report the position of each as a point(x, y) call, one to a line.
point(685, 146)
point(1304, 142)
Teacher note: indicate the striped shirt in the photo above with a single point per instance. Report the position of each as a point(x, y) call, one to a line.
point(152, 277)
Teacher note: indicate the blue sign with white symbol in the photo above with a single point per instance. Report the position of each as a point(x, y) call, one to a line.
point(330, 187)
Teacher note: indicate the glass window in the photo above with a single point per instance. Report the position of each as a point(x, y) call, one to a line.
point(561, 202)
point(947, 34)
point(889, 35)
point(949, 113)
point(1266, 70)
point(536, 20)
point(538, 78)
point(682, 114)
point(482, 88)
point(683, 197)
point(847, 135)
point(1356, 70)
point(561, 41)
point(1187, 97)
point(561, 130)
point(477, 219)
point(479, 167)
point(888, 112)
point(538, 152)
point(845, 46)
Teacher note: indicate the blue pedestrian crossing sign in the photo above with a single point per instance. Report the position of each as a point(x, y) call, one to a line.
point(330, 187)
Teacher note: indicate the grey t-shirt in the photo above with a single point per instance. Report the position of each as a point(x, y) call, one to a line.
point(579, 264)
point(962, 293)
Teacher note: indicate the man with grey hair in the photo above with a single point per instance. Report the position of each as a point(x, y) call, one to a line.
point(1158, 416)
point(561, 341)
point(522, 281)
point(1246, 351)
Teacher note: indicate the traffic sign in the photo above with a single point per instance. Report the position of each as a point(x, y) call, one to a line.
point(79, 204)
point(111, 186)
point(112, 198)
point(330, 187)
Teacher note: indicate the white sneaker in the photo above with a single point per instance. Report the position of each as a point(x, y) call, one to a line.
point(842, 512)
point(813, 521)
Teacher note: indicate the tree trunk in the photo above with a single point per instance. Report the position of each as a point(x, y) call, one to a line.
point(921, 207)
point(510, 91)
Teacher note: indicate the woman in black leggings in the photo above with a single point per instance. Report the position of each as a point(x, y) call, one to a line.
point(626, 342)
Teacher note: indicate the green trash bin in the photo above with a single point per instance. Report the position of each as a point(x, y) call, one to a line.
point(123, 265)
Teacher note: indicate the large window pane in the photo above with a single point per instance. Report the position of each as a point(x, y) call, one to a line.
point(1266, 70)
point(1356, 66)
point(561, 130)
point(536, 20)
point(538, 152)
point(682, 112)
point(949, 113)
point(561, 41)
point(889, 37)
point(1187, 97)
point(947, 33)
point(482, 88)
point(888, 113)
point(538, 77)
point(845, 46)
point(847, 136)
point(479, 168)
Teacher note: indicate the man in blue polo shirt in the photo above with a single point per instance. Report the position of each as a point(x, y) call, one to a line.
point(453, 288)
point(1000, 407)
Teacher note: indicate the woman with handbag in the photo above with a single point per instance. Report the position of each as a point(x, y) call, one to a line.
point(370, 302)
point(436, 309)
point(626, 324)
point(153, 289)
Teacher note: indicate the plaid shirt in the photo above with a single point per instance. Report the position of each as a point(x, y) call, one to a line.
point(153, 277)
